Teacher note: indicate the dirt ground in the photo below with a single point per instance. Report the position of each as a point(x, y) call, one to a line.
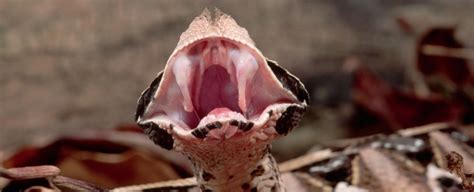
point(72, 66)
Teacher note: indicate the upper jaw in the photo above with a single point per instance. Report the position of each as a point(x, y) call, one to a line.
point(190, 88)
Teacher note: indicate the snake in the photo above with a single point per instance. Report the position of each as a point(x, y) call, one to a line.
point(221, 102)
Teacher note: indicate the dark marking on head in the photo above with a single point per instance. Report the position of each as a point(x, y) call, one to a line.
point(230, 177)
point(234, 122)
point(158, 135)
point(268, 150)
point(254, 189)
point(248, 126)
point(289, 81)
point(245, 126)
point(207, 190)
point(242, 125)
point(215, 125)
point(200, 132)
point(245, 186)
point(258, 171)
point(289, 119)
point(147, 96)
point(207, 176)
point(149, 131)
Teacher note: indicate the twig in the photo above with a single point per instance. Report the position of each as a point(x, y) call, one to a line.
point(33, 172)
point(437, 50)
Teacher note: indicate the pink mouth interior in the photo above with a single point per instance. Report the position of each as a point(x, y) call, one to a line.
point(217, 91)
point(216, 77)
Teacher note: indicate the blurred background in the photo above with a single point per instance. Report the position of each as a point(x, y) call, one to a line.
point(79, 66)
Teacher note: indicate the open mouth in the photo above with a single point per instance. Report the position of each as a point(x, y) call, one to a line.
point(215, 79)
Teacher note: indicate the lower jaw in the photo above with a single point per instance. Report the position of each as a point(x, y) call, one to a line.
point(230, 168)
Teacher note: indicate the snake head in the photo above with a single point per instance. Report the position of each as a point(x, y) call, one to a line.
point(218, 87)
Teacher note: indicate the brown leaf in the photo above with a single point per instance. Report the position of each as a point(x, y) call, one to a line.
point(108, 160)
point(397, 108)
point(443, 61)
point(443, 69)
